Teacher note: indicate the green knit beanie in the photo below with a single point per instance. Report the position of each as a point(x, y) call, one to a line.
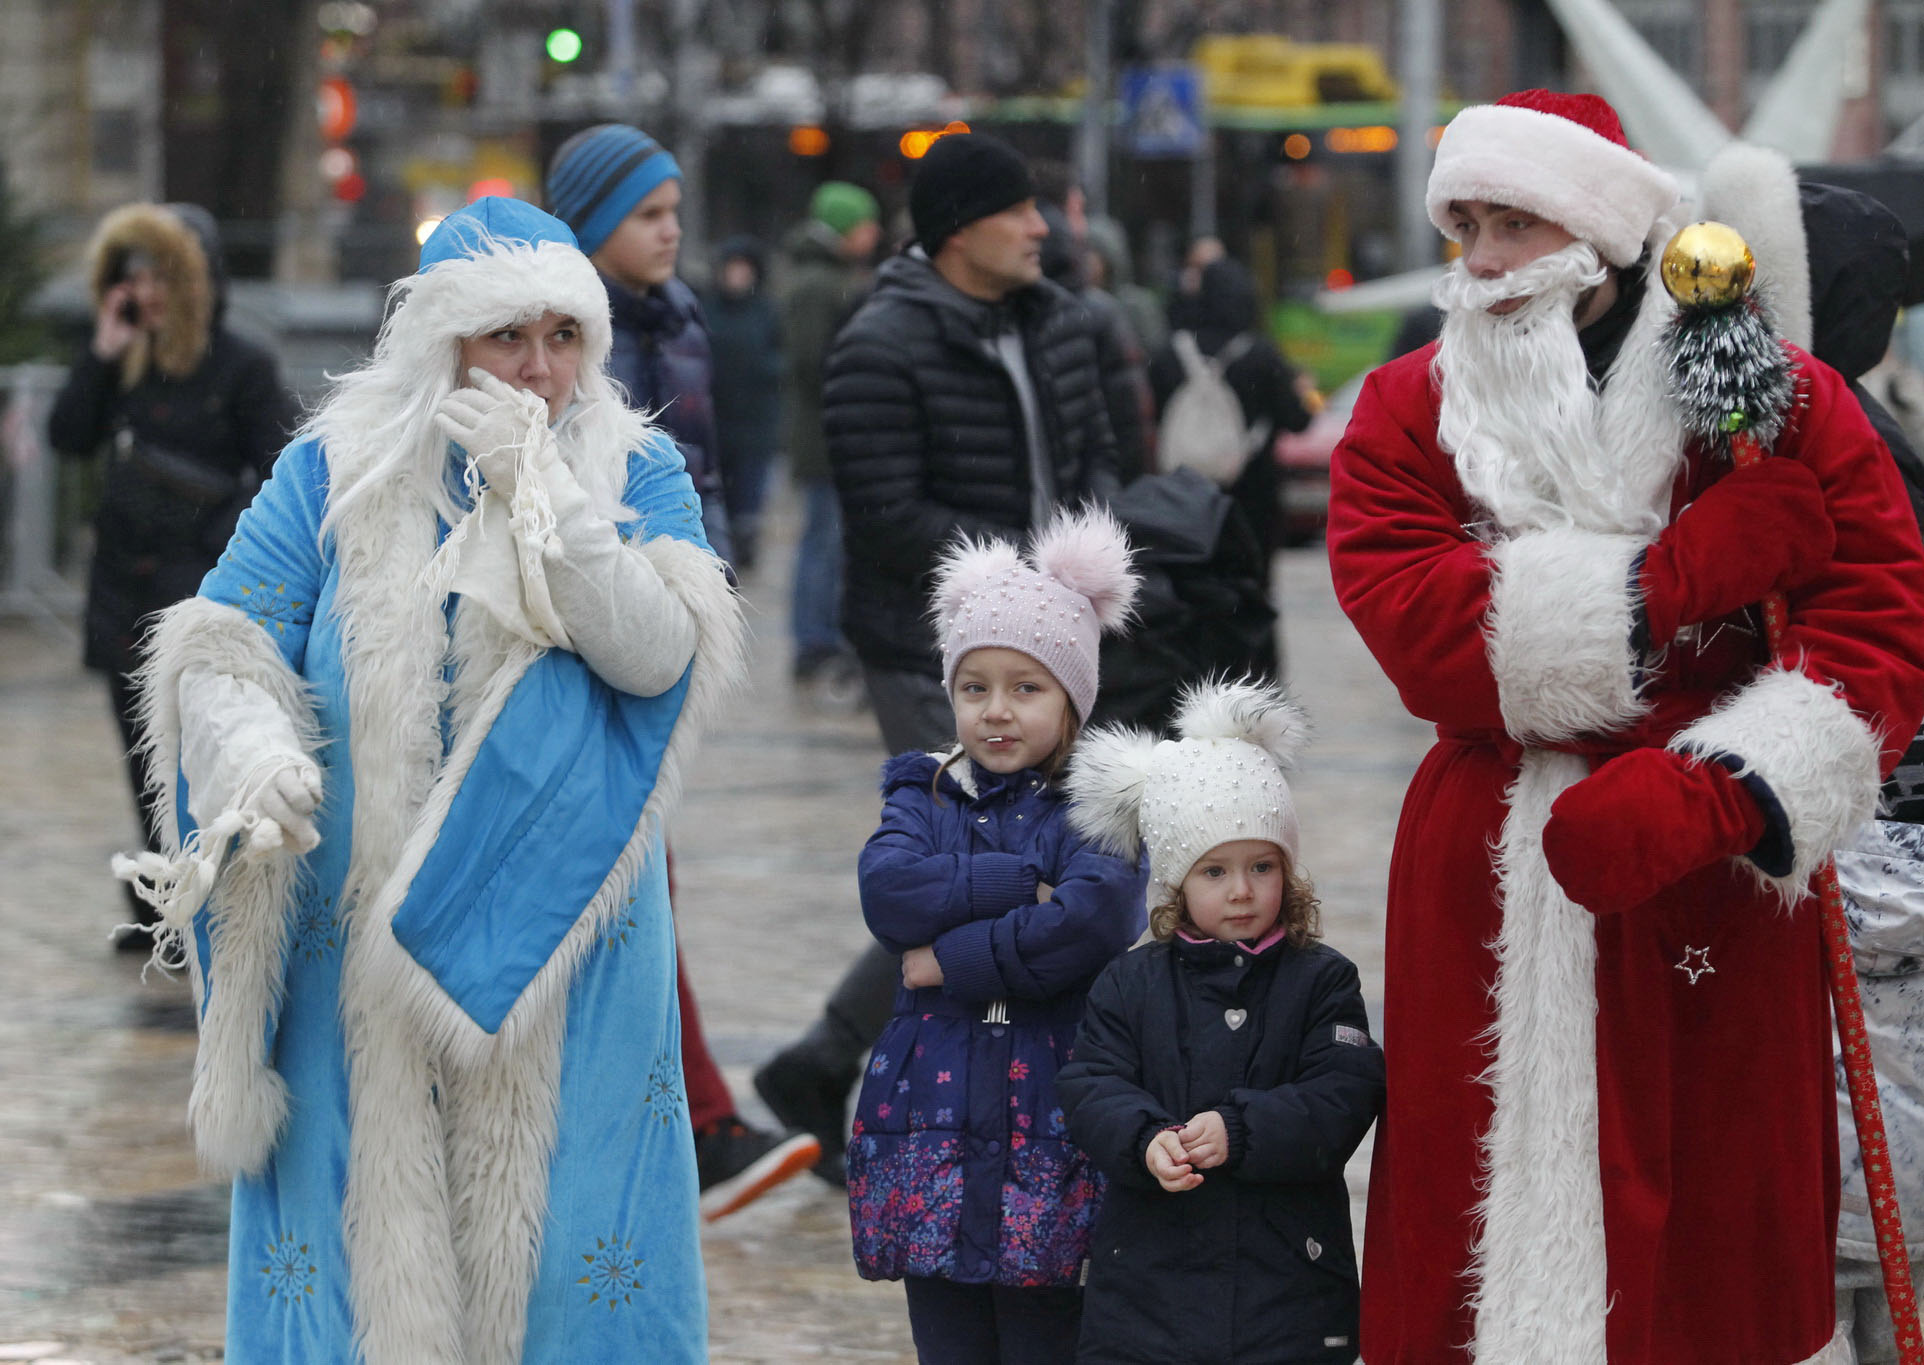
point(842, 206)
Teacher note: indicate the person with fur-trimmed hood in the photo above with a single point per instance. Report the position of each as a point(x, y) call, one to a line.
point(192, 415)
point(1224, 1073)
point(1609, 1132)
point(429, 713)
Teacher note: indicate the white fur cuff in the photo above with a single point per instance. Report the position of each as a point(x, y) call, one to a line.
point(1802, 740)
point(1558, 633)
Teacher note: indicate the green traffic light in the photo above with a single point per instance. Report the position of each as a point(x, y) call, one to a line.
point(564, 45)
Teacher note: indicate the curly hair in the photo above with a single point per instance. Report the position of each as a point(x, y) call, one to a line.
point(1301, 915)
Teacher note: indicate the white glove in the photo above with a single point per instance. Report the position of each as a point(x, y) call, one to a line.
point(498, 425)
point(240, 754)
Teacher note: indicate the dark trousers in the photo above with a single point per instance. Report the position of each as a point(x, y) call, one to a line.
point(992, 1324)
point(914, 713)
point(120, 691)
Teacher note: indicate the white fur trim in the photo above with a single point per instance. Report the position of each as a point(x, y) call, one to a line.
point(1815, 754)
point(1837, 1351)
point(1087, 552)
point(1556, 168)
point(1558, 633)
point(1539, 1265)
point(468, 296)
point(1246, 711)
point(1754, 190)
point(1108, 773)
point(239, 1102)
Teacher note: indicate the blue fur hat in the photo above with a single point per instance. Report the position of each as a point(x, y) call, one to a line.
point(470, 230)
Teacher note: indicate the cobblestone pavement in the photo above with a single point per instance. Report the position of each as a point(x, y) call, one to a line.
point(112, 1247)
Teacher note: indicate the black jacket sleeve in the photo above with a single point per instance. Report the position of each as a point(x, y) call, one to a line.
point(1111, 1117)
point(878, 450)
point(78, 422)
point(265, 413)
point(1305, 1130)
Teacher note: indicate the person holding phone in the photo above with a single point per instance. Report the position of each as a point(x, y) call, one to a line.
point(191, 416)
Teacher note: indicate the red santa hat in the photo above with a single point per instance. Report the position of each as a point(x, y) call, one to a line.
point(1562, 157)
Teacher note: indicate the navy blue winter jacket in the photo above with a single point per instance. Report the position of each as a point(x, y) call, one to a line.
point(1256, 1265)
point(960, 1167)
point(660, 353)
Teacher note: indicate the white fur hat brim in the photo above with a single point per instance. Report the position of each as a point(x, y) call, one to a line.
point(511, 282)
point(1558, 169)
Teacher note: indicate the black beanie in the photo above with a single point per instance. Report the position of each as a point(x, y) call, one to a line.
point(963, 177)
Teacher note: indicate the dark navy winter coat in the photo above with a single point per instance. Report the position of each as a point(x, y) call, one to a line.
point(660, 354)
point(960, 1167)
point(1255, 1266)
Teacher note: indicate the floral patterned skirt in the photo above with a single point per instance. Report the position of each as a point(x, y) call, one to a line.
point(961, 1166)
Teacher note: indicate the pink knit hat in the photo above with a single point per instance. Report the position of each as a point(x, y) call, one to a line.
point(1054, 607)
point(1562, 157)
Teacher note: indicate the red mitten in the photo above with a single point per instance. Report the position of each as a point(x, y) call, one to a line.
point(1642, 822)
point(1759, 529)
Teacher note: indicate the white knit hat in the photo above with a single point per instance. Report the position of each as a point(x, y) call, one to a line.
point(1561, 157)
point(1076, 584)
point(1221, 781)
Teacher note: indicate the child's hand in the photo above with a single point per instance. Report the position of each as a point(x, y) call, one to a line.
point(1168, 1163)
point(1043, 891)
point(919, 968)
point(1206, 1140)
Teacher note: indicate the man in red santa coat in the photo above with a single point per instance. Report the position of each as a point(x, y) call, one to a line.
point(1610, 1133)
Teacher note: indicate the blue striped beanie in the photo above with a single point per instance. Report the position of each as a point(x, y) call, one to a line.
point(601, 173)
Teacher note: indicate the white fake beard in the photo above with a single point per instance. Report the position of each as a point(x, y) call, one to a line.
point(1518, 412)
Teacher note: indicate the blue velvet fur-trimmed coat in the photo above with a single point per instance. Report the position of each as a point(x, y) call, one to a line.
point(1256, 1265)
point(960, 1167)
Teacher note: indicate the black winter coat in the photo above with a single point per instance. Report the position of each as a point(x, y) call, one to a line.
point(154, 542)
point(1256, 1265)
point(925, 439)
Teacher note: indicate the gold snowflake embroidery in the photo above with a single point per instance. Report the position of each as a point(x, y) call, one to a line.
point(614, 1273)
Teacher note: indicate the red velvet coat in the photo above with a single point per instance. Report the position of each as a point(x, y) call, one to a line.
point(1714, 1116)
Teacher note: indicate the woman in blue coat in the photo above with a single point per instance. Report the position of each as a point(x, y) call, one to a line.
point(428, 714)
point(962, 1179)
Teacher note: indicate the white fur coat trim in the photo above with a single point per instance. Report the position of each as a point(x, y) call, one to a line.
point(1754, 189)
point(1815, 754)
point(497, 1126)
point(238, 1102)
point(1558, 633)
point(1539, 1264)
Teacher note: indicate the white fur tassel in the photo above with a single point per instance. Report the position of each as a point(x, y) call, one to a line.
point(1087, 552)
point(1106, 781)
point(1248, 711)
point(966, 568)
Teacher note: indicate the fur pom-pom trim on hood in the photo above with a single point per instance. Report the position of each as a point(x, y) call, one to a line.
point(177, 347)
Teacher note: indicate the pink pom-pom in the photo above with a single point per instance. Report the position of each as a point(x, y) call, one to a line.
point(1087, 552)
point(966, 568)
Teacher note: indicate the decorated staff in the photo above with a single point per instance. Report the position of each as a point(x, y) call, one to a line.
point(1731, 378)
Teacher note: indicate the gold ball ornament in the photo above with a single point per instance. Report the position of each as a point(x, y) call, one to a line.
point(1708, 265)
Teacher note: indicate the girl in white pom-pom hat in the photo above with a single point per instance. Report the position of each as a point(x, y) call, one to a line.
point(962, 1180)
point(1224, 1072)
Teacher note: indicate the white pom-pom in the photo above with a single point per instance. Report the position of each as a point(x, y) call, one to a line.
point(1107, 777)
point(966, 568)
point(1087, 552)
point(1256, 713)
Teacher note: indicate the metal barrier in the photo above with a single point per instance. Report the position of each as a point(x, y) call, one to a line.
point(33, 585)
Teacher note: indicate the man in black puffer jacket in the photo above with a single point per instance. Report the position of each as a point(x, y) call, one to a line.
point(964, 397)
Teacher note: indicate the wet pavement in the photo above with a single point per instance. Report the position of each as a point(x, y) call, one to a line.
point(113, 1247)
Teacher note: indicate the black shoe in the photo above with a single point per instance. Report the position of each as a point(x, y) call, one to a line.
point(737, 1164)
point(804, 1091)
